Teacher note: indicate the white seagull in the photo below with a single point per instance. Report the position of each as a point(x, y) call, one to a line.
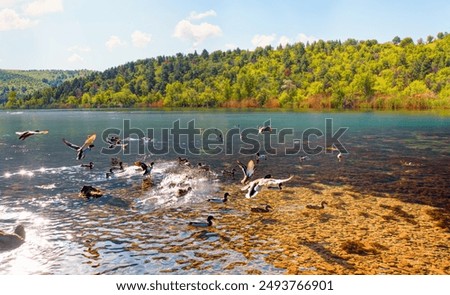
point(254, 187)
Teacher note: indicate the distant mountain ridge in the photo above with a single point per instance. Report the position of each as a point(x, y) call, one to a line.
point(25, 82)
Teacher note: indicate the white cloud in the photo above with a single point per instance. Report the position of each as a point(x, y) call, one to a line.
point(75, 58)
point(10, 20)
point(196, 33)
point(40, 7)
point(7, 3)
point(304, 39)
point(195, 15)
point(140, 39)
point(114, 42)
point(263, 40)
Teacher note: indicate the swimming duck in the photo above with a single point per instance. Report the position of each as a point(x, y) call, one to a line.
point(12, 240)
point(247, 170)
point(81, 150)
point(90, 192)
point(182, 192)
point(25, 134)
point(254, 187)
point(318, 207)
point(203, 167)
point(184, 161)
point(202, 224)
point(303, 158)
point(224, 200)
point(146, 168)
point(266, 209)
point(110, 173)
point(260, 157)
point(90, 165)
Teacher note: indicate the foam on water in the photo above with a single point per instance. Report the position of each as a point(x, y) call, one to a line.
point(171, 183)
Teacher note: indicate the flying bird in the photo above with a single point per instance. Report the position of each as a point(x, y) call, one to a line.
point(81, 150)
point(254, 187)
point(247, 170)
point(146, 168)
point(263, 129)
point(25, 134)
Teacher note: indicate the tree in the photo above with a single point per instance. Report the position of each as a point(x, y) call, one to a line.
point(396, 40)
point(12, 102)
point(406, 41)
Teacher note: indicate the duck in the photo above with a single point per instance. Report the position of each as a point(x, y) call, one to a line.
point(203, 167)
point(118, 166)
point(10, 241)
point(266, 209)
point(248, 170)
point(146, 168)
point(254, 187)
point(317, 207)
point(303, 158)
point(260, 157)
point(202, 224)
point(224, 200)
point(81, 150)
point(25, 134)
point(182, 192)
point(110, 173)
point(90, 192)
point(339, 156)
point(264, 129)
point(184, 161)
point(90, 165)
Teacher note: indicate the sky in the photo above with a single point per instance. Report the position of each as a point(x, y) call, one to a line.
point(100, 34)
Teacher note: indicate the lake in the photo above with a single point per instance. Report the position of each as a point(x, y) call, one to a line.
point(139, 227)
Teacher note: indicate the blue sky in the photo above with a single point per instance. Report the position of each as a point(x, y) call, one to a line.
point(99, 34)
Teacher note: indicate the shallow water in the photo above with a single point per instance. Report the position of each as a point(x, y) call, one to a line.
point(140, 229)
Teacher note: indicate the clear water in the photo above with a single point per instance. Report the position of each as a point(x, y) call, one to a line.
point(135, 229)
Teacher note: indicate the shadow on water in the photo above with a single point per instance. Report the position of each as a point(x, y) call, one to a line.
point(326, 254)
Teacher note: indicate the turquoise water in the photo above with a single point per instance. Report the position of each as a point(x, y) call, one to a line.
point(143, 230)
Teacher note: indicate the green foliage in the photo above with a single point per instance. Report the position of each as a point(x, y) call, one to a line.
point(323, 74)
point(24, 83)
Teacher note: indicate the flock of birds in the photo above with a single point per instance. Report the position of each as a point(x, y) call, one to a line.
point(13, 240)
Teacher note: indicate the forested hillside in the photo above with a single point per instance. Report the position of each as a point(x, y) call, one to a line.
point(324, 74)
point(17, 84)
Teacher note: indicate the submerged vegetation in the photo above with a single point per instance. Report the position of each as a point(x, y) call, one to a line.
point(324, 74)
